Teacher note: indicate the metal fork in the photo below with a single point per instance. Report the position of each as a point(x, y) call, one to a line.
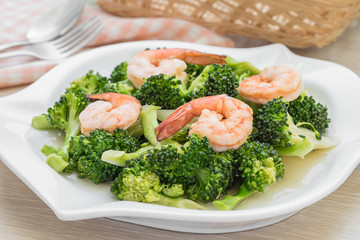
point(63, 46)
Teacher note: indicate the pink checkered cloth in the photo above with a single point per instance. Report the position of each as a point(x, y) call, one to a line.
point(16, 16)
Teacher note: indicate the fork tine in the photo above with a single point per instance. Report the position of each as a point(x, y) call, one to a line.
point(74, 38)
point(78, 39)
point(81, 42)
point(75, 31)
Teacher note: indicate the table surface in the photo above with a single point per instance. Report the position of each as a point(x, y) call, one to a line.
point(24, 216)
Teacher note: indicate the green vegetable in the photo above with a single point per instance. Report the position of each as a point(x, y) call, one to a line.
point(41, 122)
point(90, 83)
point(192, 72)
point(215, 79)
point(119, 73)
point(122, 87)
point(273, 125)
point(240, 68)
point(85, 156)
point(164, 91)
point(47, 149)
point(203, 173)
point(137, 183)
point(64, 115)
point(119, 158)
point(260, 166)
point(306, 109)
point(148, 119)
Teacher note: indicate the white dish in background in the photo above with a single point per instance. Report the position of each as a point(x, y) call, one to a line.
point(306, 181)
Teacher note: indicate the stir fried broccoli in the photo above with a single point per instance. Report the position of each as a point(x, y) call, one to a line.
point(64, 115)
point(260, 166)
point(192, 72)
point(164, 91)
point(306, 109)
point(119, 73)
point(203, 173)
point(273, 124)
point(119, 158)
point(90, 83)
point(213, 179)
point(119, 82)
point(215, 79)
point(241, 69)
point(137, 183)
point(85, 156)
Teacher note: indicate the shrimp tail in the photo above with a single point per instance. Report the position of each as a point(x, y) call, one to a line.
point(185, 113)
point(175, 122)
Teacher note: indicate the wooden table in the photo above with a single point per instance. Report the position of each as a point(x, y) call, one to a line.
point(24, 216)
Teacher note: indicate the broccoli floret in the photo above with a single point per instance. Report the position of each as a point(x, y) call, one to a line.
point(90, 83)
point(307, 109)
point(168, 92)
point(87, 151)
point(64, 115)
point(273, 125)
point(192, 72)
point(181, 136)
point(214, 179)
point(260, 165)
point(203, 173)
point(119, 73)
point(93, 83)
point(123, 87)
point(119, 82)
point(137, 183)
point(215, 79)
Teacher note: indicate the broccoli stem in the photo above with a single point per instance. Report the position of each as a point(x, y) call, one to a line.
point(136, 129)
point(119, 158)
point(199, 82)
point(47, 149)
point(175, 190)
point(300, 149)
point(231, 201)
point(41, 122)
point(178, 202)
point(60, 160)
point(304, 141)
point(163, 114)
point(148, 118)
point(240, 67)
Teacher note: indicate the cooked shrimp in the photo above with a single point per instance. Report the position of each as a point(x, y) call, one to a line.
point(113, 110)
point(169, 61)
point(224, 120)
point(273, 82)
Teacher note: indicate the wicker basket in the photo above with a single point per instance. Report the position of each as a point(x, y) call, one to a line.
point(296, 23)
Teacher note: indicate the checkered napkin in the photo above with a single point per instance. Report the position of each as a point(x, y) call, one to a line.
point(16, 16)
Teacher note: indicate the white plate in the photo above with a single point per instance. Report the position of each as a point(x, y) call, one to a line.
point(306, 181)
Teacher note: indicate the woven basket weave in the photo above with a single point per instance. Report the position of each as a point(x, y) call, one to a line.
point(296, 23)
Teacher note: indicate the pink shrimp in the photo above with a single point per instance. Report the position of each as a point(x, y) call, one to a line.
point(170, 61)
point(273, 82)
point(113, 110)
point(225, 121)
